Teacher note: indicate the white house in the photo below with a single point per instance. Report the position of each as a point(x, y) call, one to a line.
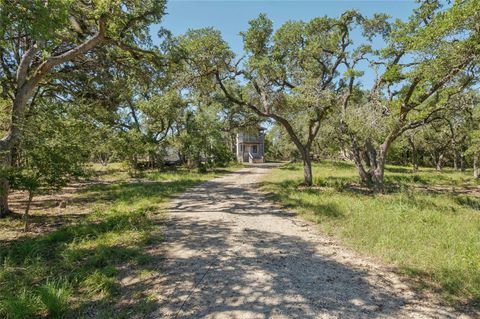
point(250, 145)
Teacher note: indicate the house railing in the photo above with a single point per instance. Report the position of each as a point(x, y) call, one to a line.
point(257, 139)
point(254, 159)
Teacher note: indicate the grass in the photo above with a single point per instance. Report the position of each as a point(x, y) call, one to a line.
point(428, 224)
point(78, 270)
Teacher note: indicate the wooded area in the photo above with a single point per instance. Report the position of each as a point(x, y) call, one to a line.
point(89, 79)
point(85, 82)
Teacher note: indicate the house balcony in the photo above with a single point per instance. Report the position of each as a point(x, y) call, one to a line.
point(250, 139)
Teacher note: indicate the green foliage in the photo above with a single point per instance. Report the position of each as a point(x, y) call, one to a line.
point(4, 116)
point(422, 71)
point(278, 145)
point(258, 35)
point(42, 21)
point(474, 133)
point(291, 76)
point(54, 147)
point(202, 139)
point(50, 29)
point(206, 52)
point(136, 102)
point(393, 74)
point(45, 21)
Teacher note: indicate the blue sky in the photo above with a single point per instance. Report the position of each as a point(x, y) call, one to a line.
point(231, 17)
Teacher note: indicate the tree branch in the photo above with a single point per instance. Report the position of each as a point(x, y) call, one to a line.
point(82, 48)
point(25, 64)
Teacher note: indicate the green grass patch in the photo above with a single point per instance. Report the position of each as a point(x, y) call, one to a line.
point(79, 267)
point(425, 224)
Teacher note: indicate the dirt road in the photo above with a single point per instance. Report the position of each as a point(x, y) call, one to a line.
point(231, 253)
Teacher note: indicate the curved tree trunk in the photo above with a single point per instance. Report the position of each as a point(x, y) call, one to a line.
point(357, 159)
point(304, 150)
point(373, 159)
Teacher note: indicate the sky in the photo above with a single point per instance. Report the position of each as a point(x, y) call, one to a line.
point(231, 17)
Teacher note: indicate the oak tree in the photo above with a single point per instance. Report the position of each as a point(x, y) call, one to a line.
point(39, 38)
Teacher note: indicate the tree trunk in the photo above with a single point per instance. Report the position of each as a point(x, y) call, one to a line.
point(4, 189)
point(379, 171)
point(435, 160)
point(462, 162)
point(8, 143)
point(5, 161)
point(357, 159)
point(456, 161)
point(456, 154)
point(414, 154)
point(439, 164)
point(307, 170)
point(152, 162)
point(303, 149)
point(374, 159)
point(27, 210)
point(476, 168)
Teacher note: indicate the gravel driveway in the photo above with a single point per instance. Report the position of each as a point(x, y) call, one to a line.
point(231, 253)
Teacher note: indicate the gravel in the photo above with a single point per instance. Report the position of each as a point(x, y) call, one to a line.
point(232, 253)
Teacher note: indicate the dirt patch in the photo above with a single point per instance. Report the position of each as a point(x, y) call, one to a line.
point(48, 212)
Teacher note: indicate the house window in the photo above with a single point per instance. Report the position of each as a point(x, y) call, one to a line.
point(241, 147)
point(254, 149)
